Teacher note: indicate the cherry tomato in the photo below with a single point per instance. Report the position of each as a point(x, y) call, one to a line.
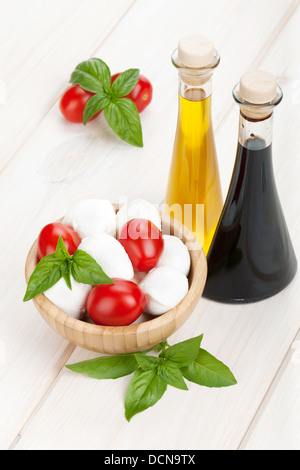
point(49, 235)
point(143, 242)
point(116, 304)
point(73, 102)
point(141, 95)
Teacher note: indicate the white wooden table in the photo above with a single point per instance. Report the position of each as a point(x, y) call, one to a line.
point(46, 163)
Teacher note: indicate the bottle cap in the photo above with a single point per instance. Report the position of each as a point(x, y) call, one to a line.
point(196, 51)
point(257, 93)
point(258, 87)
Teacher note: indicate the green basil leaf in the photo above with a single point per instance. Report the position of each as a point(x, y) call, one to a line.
point(183, 353)
point(124, 119)
point(162, 346)
point(145, 389)
point(125, 82)
point(87, 271)
point(172, 375)
point(66, 272)
point(110, 367)
point(95, 104)
point(92, 75)
point(61, 252)
point(147, 362)
point(208, 371)
point(47, 273)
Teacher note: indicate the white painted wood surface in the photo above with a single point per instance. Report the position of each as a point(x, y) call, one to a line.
point(47, 163)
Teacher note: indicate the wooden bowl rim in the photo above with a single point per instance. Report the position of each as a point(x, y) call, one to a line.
point(67, 321)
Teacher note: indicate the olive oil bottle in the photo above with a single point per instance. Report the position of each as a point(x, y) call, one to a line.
point(194, 194)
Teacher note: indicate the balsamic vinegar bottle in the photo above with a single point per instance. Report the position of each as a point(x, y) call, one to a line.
point(251, 256)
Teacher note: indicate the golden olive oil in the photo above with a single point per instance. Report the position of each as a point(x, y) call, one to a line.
point(194, 194)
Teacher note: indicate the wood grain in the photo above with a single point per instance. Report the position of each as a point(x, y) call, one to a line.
point(46, 42)
point(50, 163)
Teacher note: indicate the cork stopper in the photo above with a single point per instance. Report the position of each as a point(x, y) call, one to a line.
point(195, 58)
point(257, 88)
point(195, 51)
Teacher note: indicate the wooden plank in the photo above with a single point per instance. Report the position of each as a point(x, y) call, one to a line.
point(277, 424)
point(41, 43)
point(81, 163)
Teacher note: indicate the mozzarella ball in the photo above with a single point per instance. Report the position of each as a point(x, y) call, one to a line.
point(90, 217)
point(164, 287)
point(138, 209)
point(72, 302)
point(175, 254)
point(108, 252)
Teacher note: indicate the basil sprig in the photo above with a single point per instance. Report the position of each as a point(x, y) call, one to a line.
point(121, 113)
point(152, 374)
point(50, 269)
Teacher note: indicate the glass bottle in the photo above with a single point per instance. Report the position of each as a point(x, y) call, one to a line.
point(251, 256)
point(194, 194)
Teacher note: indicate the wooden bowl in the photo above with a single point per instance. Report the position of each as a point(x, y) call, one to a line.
point(138, 336)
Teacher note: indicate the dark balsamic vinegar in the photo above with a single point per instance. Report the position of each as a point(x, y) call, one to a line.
point(251, 256)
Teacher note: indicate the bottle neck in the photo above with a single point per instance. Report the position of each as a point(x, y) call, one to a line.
point(194, 87)
point(255, 130)
point(194, 110)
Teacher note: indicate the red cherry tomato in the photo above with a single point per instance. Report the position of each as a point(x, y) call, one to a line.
point(143, 242)
point(116, 304)
point(49, 235)
point(141, 95)
point(73, 102)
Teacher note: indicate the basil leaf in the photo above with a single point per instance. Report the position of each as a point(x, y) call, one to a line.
point(110, 367)
point(61, 252)
point(173, 376)
point(123, 117)
point(162, 346)
point(125, 82)
point(147, 362)
point(47, 273)
point(94, 104)
point(145, 389)
point(208, 371)
point(183, 353)
point(66, 272)
point(92, 75)
point(87, 271)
